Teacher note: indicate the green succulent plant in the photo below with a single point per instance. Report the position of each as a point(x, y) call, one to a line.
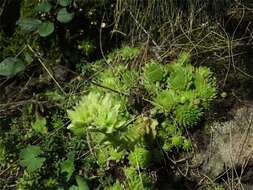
point(179, 94)
point(127, 53)
point(98, 112)
point(153, 71)
point(123, 55)
point(177, 140)
point(184, 58)
point(140, 158)
point(109, 153)
point(188, 91)
point(142, 132)
point(136, 181)
point(180, 77)
point(205, 85)
point(115, 186)
point(167, 100)
point(153, 74)
point(187, 115)
point(118, 78)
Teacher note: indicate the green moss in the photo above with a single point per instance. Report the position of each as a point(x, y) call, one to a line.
point(14, 44)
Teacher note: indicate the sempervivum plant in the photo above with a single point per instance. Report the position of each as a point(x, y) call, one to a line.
point(180, 90)
point(98, 112)
point(187, 116)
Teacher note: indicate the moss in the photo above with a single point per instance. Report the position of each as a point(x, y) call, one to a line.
point(27, 8)
point(11, 46)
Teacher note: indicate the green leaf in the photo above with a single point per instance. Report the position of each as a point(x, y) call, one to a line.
point(30, 158)
point(64, 16)
point(187, 115)
point(40, 125)
point(45, 29)
point(115, 186)
point(180, 77)
point(64, 3)
point(82, 184)
point(140, 157)
point(166, 99)
point(177, 141)
point(73, 187)
point(44, 7)
point(67, 166)
point(10, 66)
point(153, 71)
point(184, 58)
point(29, 24)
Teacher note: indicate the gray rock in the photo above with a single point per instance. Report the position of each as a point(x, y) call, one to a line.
point(231, 144)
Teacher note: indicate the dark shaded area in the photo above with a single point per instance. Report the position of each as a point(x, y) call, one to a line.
point(173, 182)
point(9, 15)
point(83, 27)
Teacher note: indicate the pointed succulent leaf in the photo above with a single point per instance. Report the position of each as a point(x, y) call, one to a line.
point(153, 71)
point(140, 158)
point(187, 115)
point(180, 77)
point(183, 59)
point(166, 100)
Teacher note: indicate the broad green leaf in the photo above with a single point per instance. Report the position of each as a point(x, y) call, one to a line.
point(67, 166)
point(30, 158)
point(44, 7)
point(29, 24)
point(64, 3)
point(40, 125)
point(64, 16)
point(45, 29)
point(10, 66)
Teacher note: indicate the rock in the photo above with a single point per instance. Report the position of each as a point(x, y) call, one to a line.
point(230, 145)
